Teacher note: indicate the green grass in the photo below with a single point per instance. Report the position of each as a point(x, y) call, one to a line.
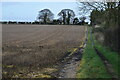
point(91, 65)
point(112, 56)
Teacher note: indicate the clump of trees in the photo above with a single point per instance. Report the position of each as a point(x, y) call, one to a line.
point(109, 20)
point(107, 15)
point(45, 16)
point(66, 16)
point(76, 21)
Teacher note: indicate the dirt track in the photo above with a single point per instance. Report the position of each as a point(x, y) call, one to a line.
point(69, 65)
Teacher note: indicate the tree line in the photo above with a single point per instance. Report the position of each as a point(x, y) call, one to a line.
point(45, 16)
point(66, 16)
point(107, 16)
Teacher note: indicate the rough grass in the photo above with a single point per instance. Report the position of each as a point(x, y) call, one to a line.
point(112, 56)
point(91, 65)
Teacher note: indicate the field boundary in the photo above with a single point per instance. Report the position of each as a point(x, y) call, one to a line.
point(91, 66)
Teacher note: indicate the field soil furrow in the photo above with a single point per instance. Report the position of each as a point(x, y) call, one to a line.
point(55, 37)
point(30, 48)
point(33, 35)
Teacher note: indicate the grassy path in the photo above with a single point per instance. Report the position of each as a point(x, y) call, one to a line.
point(112, 59)
point(107, 64)
point(98, 61)
point(92, 65)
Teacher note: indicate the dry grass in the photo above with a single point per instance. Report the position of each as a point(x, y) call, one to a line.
point(33, 47)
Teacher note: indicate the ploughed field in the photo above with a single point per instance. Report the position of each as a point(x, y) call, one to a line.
point(33, 47)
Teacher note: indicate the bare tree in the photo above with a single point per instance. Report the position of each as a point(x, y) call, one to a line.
point(66, 15)
point(45, 15)
point(86, 7)
point(106, 15)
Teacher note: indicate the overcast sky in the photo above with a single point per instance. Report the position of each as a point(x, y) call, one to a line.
point(28, 11)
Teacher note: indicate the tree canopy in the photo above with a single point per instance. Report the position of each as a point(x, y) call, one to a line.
point(106, 15)
point(45, 15)
point(66, 15)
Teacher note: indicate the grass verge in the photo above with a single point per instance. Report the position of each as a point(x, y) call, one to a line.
point(91, 65)
point(112, 56)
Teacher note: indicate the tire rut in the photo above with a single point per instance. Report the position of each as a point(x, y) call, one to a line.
point(105, 61)
point(107, 64)
point(67, 68)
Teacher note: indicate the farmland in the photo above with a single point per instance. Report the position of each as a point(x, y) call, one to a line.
point(29, 48)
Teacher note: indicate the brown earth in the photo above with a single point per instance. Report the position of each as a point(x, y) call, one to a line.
point(30, 48)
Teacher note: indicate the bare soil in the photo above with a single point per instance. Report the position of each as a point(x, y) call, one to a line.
point(30, 48)
point(68, 66)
